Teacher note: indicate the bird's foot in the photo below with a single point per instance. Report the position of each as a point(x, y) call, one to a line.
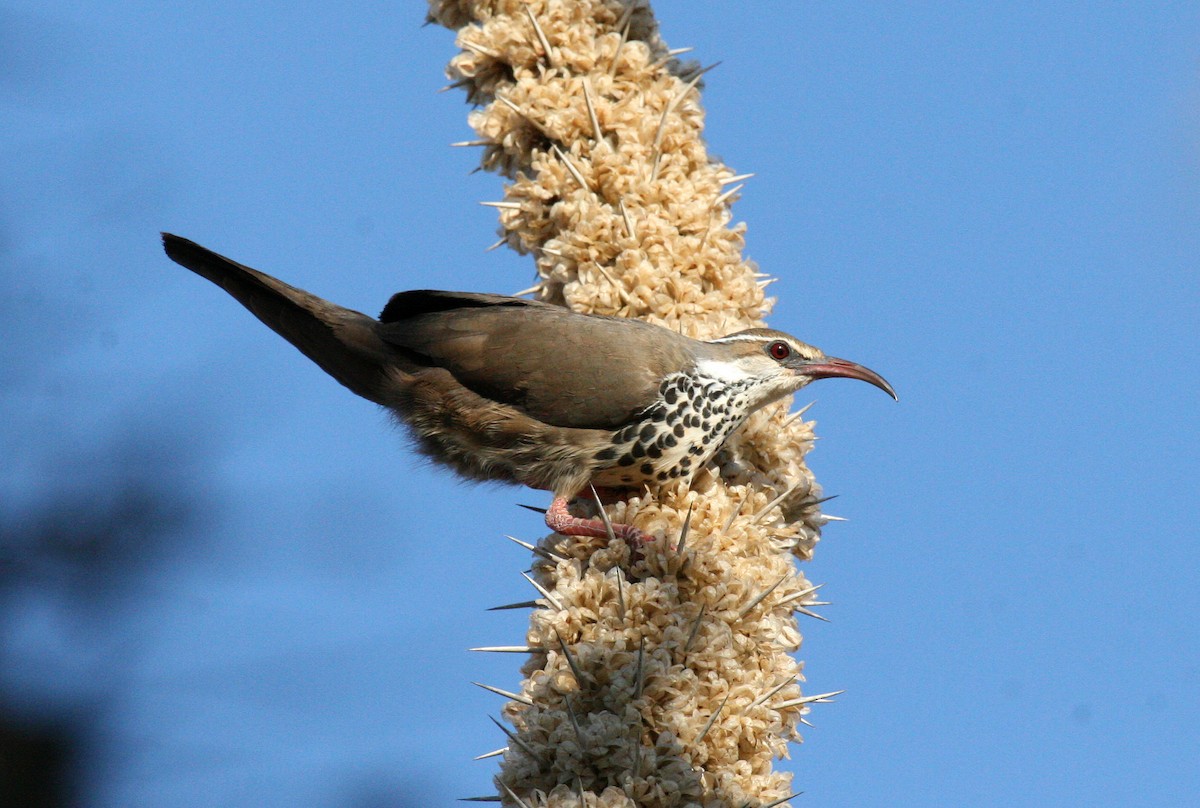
point(560, 520)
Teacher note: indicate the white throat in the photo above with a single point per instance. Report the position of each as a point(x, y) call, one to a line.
point(730, 373)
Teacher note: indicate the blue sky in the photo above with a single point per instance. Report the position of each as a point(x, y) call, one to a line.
point(994, 205)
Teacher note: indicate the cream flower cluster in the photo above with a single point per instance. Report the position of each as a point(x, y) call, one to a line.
point(663, 677)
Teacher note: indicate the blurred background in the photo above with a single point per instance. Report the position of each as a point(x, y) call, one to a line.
point(224, 580)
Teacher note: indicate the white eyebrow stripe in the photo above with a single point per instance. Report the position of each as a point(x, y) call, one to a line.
point(740, 338)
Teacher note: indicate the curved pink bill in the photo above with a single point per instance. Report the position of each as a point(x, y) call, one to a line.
point(831, 366)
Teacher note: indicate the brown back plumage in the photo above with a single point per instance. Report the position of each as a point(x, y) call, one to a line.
point(559, 367)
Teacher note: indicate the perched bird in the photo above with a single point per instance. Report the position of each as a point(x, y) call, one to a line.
point(501, 388)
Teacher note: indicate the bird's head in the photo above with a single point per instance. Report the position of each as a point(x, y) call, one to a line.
point(777, 364)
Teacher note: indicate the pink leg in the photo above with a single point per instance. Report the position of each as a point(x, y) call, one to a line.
point(560, 520)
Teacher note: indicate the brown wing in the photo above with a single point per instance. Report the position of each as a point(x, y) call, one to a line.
point(560, 367)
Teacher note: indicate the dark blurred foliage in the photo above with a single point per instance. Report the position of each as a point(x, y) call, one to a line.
point(83, 530)
point(91, 540)
point(38, 761)
point(87, 547)
point(108, 474)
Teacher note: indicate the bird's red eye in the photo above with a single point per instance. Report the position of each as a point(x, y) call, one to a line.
point(779, 350)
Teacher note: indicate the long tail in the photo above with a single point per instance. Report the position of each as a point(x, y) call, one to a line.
point(342, 341)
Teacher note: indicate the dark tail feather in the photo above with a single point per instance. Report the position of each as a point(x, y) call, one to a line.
point(343, 342)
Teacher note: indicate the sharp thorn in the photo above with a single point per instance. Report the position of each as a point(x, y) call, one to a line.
point(799, 413)
point(749, 606)
point(533, 508)
point(512, 795)
point(574, 720)
point(670, 54)
point(831, 518)
point(546, 593)
point(725, 196)
point(628, 220)
point(597, 134)
point(662, 123)
point(570, 166)
point(523, 544)
point(612, 537)
point(738, 178)
point(619, 287)
point(508, 649)
point(455, 85)
point(703, 70)
point(683, 533)
point(493, 798)
point(758, 517)
point(621, 591)
point(502, 205)
point(462, 143)
point(494, 753)
point(541, 36)
point(522, 113)
point(695, 628)
point(736, 512)
point(771, 692)
point(512, 736)
point(531, 290)
point(777, 803)
point(803, 593)
point(525, 604)
point(539, 551)
point(810, 613)
point(626, 15)
point(712, 720)
point(820, 698)
point(639, 675)
point(495, 245)
point(517, 697)
point(481, 50)
point(570, 659)
point(623, 26)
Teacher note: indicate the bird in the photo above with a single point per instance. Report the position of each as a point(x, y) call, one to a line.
point(514, 390)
